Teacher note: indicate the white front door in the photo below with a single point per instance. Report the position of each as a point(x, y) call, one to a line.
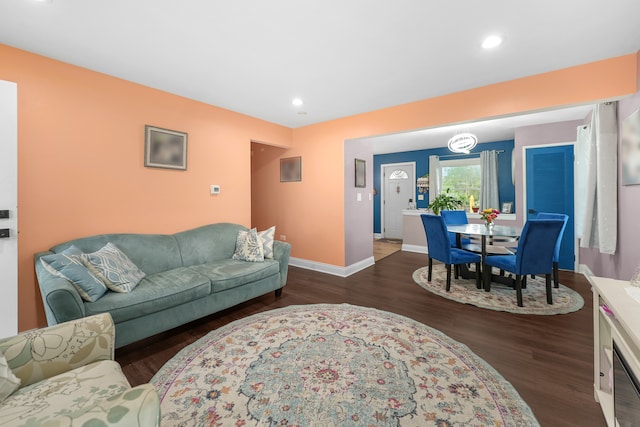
point(399, 186)
point(8, 202)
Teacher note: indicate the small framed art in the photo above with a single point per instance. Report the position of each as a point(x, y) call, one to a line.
point(291, 169)
point(506, 207)
point(361, 173)
point(164, 148)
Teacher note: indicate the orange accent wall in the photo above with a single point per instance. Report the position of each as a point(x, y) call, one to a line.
point(81, 156)
point(313, 213)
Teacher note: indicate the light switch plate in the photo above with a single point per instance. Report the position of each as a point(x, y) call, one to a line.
point(215, 189)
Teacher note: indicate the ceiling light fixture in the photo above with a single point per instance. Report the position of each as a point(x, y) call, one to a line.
point(462, 143)
point(297, 102)
point(491, 42)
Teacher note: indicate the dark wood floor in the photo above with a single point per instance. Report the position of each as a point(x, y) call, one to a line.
point(548, 359)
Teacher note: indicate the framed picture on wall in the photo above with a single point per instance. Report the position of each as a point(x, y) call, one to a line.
point(361, 173)
point(164, 148)
point(506, 207)
point(291, 169)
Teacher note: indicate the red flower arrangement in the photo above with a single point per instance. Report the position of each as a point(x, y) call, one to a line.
point(489, 215)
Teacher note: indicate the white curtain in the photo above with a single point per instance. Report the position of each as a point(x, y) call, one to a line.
point(583, 155)
point(489, 180)
point(435, 177)
point(600, 219)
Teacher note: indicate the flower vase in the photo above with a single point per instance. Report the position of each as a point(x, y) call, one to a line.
point(489, 225)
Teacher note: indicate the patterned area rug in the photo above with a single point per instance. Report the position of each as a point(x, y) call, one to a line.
point(501, 297)
point(333, 365)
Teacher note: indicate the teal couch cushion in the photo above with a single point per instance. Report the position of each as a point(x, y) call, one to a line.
point(229, 273)
point(208, 243)
point(154, 293)
point(151, 253)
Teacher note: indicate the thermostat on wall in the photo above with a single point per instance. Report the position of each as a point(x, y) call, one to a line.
point(215, 189)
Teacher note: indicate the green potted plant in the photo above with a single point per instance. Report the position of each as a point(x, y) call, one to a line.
point(445, 201)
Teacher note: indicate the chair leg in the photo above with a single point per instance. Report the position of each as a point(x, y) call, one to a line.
point(548, 283)
point(448, 277)
point(519, 290)
point(524, 282)
point(430, 268)
point(456, 271)
point(486, 277)
point(478, 279)
point(556, 280)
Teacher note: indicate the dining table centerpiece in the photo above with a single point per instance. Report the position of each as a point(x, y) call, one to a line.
point(488, 216)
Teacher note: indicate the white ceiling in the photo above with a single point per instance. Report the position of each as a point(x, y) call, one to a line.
point(491, 130)
point(341, 57)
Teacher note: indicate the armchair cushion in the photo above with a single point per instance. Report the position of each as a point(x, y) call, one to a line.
point(42, 353)
point(95, 392)
point(8, 381)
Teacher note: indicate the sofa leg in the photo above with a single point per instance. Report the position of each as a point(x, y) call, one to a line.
point(278, 292)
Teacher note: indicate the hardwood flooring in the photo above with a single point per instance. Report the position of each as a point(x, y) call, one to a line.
point(382, 248)
point(548, 359)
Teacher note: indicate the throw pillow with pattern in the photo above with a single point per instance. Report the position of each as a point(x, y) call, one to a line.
point(248, 246)
point(8, 381)
point(68, 265)
point(267, 237)
point(115, 269)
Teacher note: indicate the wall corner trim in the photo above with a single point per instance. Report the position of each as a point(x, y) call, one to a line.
point(330, 268)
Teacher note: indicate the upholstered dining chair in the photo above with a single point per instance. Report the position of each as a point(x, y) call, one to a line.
point(455, 218)
point(534, 255)
point(439, 248)
point(556, 251)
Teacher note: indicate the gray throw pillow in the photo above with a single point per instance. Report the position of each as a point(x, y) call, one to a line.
point(115, 269)
point(248, 246)
point(267, 237)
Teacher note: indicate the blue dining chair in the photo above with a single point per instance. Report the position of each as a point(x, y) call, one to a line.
point(456, 218)
point(439, 248)
point(556, 251)
point(534, 255)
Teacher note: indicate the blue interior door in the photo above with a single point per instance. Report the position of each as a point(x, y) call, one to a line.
point(550, 189)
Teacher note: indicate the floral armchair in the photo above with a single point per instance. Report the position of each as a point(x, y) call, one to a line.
point(69, 378)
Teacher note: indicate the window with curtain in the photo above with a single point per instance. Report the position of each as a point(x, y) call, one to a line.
point(461, 177)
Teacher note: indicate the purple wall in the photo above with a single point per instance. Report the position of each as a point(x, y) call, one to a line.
point(358, 215)
point(621, 265)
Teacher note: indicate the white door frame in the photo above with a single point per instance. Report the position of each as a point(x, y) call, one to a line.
point(412, 165)
point(9, 201)
point(576, 246)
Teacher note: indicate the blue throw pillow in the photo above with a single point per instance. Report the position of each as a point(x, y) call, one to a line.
point(115, 269)
point(67, 265)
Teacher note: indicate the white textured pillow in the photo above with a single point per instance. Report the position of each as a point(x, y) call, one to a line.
point(114, 268)
point(248, 246)
point(8, 381)
point(267, 237)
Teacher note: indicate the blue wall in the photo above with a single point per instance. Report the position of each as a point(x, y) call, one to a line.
point(421, 157)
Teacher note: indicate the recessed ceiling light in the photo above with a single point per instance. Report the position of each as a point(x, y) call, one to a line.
point(42, 1)
point(491, 42)
point(297, 102)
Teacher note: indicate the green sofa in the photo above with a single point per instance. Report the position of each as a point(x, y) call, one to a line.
point(189, 275)
point(68, 378)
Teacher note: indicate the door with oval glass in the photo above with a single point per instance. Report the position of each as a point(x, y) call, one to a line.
point(399, 187)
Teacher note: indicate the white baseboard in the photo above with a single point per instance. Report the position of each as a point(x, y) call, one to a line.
point(586, 271)
point(330, 268)
point(414, 248)
point(377, 235)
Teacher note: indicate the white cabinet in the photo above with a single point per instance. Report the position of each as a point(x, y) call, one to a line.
point(616, 318)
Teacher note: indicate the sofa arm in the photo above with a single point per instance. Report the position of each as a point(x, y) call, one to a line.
point(62, 302)
point(281, 253)
point(42, 353)
point(139, 406)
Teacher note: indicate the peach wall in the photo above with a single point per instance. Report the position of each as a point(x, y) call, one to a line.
point(315, 210)
point(80, 161)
